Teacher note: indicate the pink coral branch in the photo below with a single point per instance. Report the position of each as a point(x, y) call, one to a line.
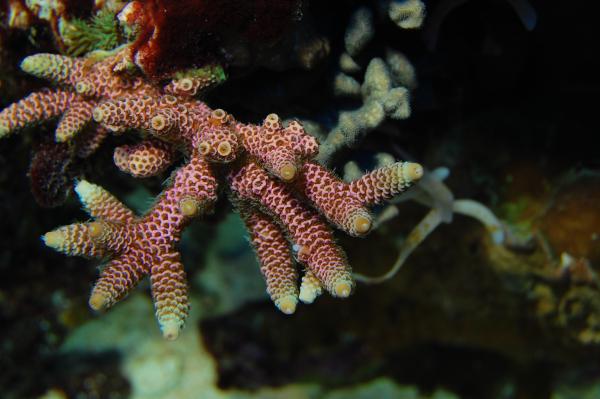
point(275, 257)
point(144, 159)
point(143, 245)
point(316, 246)
point(280, 193)
point(36, 107)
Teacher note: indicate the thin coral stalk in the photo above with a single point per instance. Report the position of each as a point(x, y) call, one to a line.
point(412, 241)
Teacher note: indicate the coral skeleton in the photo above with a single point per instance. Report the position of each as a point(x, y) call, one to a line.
point(286, 199)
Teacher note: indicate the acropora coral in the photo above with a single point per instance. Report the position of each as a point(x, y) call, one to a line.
point(384, 92)
point(285, 198)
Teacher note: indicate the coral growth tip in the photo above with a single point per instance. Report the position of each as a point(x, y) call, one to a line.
point(170, 331)
point(53, 239)
point(98, 301)
point(287, 304)
point(343, 289)
point(414, 171)
point(30, 63)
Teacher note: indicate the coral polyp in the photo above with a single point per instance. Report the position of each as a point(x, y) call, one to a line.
point(286, 199)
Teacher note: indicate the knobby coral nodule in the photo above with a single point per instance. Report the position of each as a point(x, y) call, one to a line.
point(285, 199)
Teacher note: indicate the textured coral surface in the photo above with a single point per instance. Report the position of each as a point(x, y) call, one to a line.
point(267, 168)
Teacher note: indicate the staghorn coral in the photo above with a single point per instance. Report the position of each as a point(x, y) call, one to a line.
point(385, 90)
point(285, 199)
point(82, 84)
point(360, 31)
point(381, 98)
point(140, 246)
point(275, 257)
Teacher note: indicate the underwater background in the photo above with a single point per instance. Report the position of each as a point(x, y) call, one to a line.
point(497, 99)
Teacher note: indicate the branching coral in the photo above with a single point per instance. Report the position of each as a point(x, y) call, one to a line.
point(285, 199)
point(381, 98)
point(140, 246)
point(82, 84)
point(385, 89)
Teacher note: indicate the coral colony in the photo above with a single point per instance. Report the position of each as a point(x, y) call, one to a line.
point(286, 200)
